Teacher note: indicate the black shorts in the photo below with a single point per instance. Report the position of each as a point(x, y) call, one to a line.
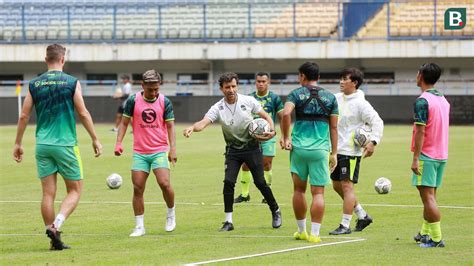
point(347, 168)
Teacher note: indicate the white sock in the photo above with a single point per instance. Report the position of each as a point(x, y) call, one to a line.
point(301, 225)
point(346, 220)
point(170, 212)
point(139, 221)
point(315, 228)
point(228, 217)
point(360, 212)
point(59, 221)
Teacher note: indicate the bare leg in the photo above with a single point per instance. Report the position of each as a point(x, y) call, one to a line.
point(317, 205)
point(48, 185)
point(69, 204)
point(299, 201)
point(139, 180)
point(163, 179)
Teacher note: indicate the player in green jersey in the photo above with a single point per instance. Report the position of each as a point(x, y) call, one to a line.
point(55, 96)
point(313, 146)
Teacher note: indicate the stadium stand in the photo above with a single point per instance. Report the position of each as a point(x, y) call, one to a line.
point(416, 19)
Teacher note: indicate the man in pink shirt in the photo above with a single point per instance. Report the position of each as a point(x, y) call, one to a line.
point(430, 151)
point(154, 146)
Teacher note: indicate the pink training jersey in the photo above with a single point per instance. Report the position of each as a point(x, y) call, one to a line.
point(149, 128)
point(435, 144)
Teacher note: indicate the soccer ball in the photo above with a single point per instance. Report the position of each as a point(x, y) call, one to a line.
point(114, 181)
point(258, 127)
point(362, 136)
point(383, 185)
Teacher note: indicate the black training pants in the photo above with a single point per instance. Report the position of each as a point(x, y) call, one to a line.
point(253, 158)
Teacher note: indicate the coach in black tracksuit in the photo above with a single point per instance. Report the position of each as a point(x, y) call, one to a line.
point(235, 112)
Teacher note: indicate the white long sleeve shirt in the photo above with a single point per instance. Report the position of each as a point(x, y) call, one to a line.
point(355, 111)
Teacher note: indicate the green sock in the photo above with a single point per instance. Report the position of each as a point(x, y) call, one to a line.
point(425, 229)
point(435, 230)
point(268, 177)
point(245, 181)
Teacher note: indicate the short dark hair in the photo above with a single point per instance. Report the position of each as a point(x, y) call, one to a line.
point(261, 74)
point(430, 73)
point(228, 77)
point(54, 52)
point(151, 76)
point(310, 70)
point(354, 74)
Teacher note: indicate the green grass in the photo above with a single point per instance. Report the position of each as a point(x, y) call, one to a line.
point(98, 229)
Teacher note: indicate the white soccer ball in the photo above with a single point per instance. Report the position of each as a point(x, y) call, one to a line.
point(362, 136)
point(383, 185)
point(258, 127)
point(114, 181)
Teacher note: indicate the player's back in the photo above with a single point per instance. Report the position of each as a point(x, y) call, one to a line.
point(52, 94)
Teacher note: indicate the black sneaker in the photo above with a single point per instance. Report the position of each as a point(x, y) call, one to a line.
point(363, 223)
point(227, 227)
point(419, 238)
point(341, 230)
point(276, 219)
point(56, 243)
point(241, 198)
point(264, 201)
point(433, 244)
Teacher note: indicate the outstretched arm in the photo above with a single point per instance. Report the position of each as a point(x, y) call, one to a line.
point(197, 127)
point(22, 123)
point(86, 119)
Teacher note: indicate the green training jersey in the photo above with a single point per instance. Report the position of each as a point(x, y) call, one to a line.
point(312, 135)
point(53, 98)
point(272, 104)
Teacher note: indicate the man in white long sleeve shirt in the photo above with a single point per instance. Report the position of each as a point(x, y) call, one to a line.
point(354, 112)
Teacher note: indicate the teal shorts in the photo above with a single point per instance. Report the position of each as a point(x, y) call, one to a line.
point(269, 148)
point(147, 162)
point(66, 160)
point(431, 172)
point(312, 163)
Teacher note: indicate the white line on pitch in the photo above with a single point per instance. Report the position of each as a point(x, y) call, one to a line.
point(275, 252)
point(251, 204)
point(182, 235)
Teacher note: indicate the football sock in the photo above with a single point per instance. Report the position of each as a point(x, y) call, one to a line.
point(139, 221)
point(268, 177)
point(360, 212)
point(228, 217)
point(170, 212)
point(301, 225)
point(425, 229)
point(315, 228)
point(346, 220)
point(59, 221)
point(435, 230)
point(245, 181)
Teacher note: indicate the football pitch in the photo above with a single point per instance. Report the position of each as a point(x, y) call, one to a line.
point(98, 229)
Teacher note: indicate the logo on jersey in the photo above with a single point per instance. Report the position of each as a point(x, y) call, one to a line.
point(243, 107)
point(149, 116)
point(455, 18)
point(221, 107)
